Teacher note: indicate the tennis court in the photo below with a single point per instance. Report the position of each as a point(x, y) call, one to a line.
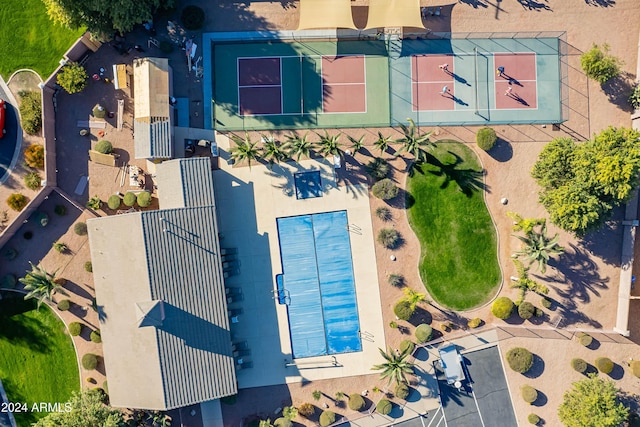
point(262, 85)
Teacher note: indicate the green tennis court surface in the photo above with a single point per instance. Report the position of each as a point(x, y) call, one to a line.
point(357, 83)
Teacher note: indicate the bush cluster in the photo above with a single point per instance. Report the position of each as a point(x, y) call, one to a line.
point(356, 402)
point(385, 189)
point(114, 202)
point(306, 410)
point(604, 365)
point(31, 111)
point(384, 407)
point(396, 280)
point(423, 333)
point(584, 339)
point(474, 323)
point(407, 345)
point(144, 199)
point(545, 302)
point(486, 138)
point(520, 359)
point(635, 368)
point(599, 65)
point(529, 394)
point(282, 422)
point(17, 201)
point(96, 337)
point(72, 78)
point(80, 228)
point(129, 199)
point(579, 365)
point(526, 310)
point(64, 305)
point(377, 168)
point(384, 213)
point(327, 418)
point(99, 112)
point(533, 419)
point(88, 267)
point(388, 237)
point(104, 147)
point(90, 361)
point(403, 309)
point(34, 156)
point(402, 391)
point(502, 308)
point(75, 328)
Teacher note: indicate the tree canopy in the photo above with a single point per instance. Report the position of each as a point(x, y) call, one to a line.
point(103, 17)
point(592, 402)
point(84, 409)
point(582, 183)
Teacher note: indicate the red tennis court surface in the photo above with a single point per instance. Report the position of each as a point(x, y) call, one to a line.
point(259, 86)
point(520, 75)
point(428, 82)
point(344, 84)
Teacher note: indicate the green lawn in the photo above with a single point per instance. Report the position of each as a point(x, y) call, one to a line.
point(28, 39)
point(458, 262)
point(37, 359)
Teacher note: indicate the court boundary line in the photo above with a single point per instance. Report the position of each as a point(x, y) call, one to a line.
point(257, 86)
point(364, 70)
point(415, 102)
point(535, 71)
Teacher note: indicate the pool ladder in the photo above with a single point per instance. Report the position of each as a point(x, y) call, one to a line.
point(352, 228)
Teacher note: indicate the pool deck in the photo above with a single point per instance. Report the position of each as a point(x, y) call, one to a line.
point(249, 201)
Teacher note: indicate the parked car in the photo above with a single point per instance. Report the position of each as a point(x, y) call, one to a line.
point(3, 113)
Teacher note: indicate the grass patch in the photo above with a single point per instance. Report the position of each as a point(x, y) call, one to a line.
point(37, 360)
point(28, 39)
point(459, 264)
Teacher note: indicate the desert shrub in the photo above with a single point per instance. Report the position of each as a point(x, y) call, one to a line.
point(407, 345)
point(32, 180)
point(404, 309)
point(579, 365)
point(290, 412)
point(42, 218)
point(384, 407)
point(388, 237)
point(10, 254)
point(635, 368)
point(60, 210)
point(80, 228)
point(502, 308)
point(89, 361)
point(88, 267)
point(393, 324)
point(520, 359)
point(96, 337)
point(104, 147)
point(17, 201)
point(94, 203)
point(385, 189)
point(634, 98)
point(533, 419)
point(401, 391)
point(73, 77)
point(327, 418)
point(383, 213)
point(584, 339)
point(192, 17)
point(545, 302)
point(31, 111)
point(598, 65)
point(8, 281)
point(423, 333)
point(396, 280)
point(99, 112)
point(604, 365)
point(377, 168)
point(526, 310)
point(144, 199)
point(306, 409)
point(34, 156)
point(75, 328)
point(529, 394)
point(356, 402)
point(114, 202)
point(486, 138)
point(282, 422)
point(129, 199)
point(64, 305)
point(474, 323)
point(60, 247)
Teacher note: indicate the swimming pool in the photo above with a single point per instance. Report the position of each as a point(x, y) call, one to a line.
point(318, 280)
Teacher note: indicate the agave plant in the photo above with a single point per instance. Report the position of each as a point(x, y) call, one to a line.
point(396, 367)
point(413, 142)
point(356, 144)
point(382, 143)
point(245, 149)
point(539, 248)
point(272, 150)
point(330, 144)
point(524, 283)
point(299, 146)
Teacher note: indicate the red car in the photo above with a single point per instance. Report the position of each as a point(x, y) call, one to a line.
point(3, 113)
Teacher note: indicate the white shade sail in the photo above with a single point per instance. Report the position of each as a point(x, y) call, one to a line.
point(394, 13)
point(315, 14)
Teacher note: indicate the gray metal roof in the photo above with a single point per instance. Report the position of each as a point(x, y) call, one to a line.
point(185, 183)
point(170, 354)
point(152, 138)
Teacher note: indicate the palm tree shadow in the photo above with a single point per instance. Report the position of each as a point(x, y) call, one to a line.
point(468, 180)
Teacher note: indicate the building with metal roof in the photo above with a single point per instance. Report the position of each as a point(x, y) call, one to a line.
point(159, 285)
point(152, 125)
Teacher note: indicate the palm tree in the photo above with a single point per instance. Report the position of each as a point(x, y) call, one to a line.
point(396, 367)
point(40, 284)
point(272, 150)
point(329, 144)
point(382, 143)
point(538, 248)
point(244, 149)
point(524, 283)
point(356, 144)
point(298, 145)
point(414, 143)
point(414, 297)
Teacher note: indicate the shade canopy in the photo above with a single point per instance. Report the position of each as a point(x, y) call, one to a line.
point(315, 14)
point(394, 13)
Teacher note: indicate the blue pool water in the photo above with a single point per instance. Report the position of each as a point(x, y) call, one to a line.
point(318, 280)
